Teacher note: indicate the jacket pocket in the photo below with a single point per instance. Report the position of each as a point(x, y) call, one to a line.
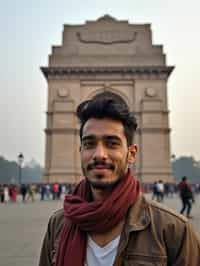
point(131, 259)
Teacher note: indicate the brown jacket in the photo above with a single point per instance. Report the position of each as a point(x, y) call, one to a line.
point(152, 236)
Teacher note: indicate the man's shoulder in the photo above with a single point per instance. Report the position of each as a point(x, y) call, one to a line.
point(162, 211)
point(146, 214)
point(57, 218)
point(58, 214)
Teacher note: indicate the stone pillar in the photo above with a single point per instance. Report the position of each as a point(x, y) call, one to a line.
point(62, 141)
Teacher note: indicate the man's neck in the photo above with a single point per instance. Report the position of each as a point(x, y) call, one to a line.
point(105, 238)
point(100, 194)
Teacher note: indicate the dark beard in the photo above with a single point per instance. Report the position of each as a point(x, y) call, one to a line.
point(103, 186)
point(106, 186)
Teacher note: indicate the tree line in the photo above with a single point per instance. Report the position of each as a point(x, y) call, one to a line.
point(9, 172)
point(186, 166)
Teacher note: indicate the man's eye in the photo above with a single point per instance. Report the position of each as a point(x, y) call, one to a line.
point(113, 143)
point(88, 144)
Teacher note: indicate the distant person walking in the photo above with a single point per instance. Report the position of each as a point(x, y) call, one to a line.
point(48, 191)
point(23, 191)
point(154, 191)
point(31, 192)
point(2, 195)
point(160, 191)
point(186, 196)
point(6, 193)
point(42, 191)
point(13, 192)
point(56, 189)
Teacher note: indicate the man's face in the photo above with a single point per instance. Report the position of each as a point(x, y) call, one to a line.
point(105, 155)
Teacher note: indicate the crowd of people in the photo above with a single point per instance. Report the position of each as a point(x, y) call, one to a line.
point(56, 191)
point(53, 191)
point(160, 190)
point(184, 189)
point(28, 192)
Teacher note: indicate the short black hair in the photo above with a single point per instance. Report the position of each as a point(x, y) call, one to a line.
point(184, 178)
point(108, 105)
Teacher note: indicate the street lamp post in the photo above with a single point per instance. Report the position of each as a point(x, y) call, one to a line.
point(20, 161)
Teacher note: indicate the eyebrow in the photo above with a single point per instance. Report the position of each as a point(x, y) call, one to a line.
point(112, 137)
point(106, 137)
point(88, 137)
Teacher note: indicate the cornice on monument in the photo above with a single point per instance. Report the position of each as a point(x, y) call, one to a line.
point(148, 71)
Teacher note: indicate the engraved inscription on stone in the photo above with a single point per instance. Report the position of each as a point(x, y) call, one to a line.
point(107, 37)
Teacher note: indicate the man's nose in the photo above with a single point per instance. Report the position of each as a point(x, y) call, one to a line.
point(100, 152)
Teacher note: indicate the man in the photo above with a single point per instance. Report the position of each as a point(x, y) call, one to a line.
point(186, 196)
point(23, 191)
point(2, 194)
point(107, 221)
point(160, 191)
point(154, 191)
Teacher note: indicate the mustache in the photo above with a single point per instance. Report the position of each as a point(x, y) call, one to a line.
point(100, 163)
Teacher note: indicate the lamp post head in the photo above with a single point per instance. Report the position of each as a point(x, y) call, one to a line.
point(20, 158)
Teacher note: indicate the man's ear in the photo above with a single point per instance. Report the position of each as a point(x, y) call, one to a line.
point(132, 150)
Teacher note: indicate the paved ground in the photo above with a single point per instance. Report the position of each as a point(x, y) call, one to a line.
point(22, 227)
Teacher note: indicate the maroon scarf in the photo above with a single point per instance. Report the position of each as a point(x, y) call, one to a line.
point(83, 215)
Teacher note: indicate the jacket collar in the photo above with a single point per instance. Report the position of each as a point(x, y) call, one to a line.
point(137, 220)
point(138, 216)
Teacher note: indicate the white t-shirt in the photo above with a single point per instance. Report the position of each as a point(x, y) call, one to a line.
point(160, 187)
point(101, 256)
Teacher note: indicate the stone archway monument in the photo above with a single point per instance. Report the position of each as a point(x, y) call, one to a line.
point(107, 54)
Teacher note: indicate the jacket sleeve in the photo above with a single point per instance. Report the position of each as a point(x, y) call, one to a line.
point(46, 250)
point(51, 239)
point(188, 252)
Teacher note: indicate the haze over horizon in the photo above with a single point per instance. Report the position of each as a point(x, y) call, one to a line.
point(31, 28)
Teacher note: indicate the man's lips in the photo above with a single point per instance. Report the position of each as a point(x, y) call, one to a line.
point(100, 167)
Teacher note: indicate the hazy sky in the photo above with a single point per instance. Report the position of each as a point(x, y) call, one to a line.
point(28, 29)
